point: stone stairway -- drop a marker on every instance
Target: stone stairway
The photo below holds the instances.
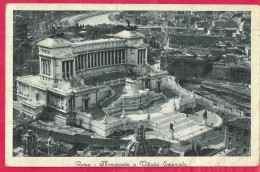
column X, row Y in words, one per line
column 184, row 128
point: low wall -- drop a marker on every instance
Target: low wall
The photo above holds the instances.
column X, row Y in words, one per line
column 83, row 119
column 188, row 100
column 205, row 100
column 106, row 129
column 133, row 103
column 113, row 82
column 88, row 139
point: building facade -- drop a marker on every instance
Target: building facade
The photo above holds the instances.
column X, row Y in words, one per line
column 238, row 136
column 61, row 89
column 232, row 72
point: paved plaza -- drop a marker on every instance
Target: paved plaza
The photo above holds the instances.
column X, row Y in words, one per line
column 185, row 127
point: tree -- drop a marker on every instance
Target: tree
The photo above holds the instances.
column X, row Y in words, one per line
column 198, row 149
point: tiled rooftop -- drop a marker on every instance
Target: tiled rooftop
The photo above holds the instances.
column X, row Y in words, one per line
column 244, row 123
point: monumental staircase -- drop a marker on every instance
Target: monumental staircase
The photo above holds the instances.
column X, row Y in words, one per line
column 184, row 128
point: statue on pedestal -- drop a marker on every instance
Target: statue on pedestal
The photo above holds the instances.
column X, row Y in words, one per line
column 29, row 143
column 123, row 114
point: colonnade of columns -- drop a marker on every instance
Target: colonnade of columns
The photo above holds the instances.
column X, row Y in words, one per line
column 67, row 69
column 141, row 57
column 46, row 67
column 98, row 59
column 57, row 101
column 22, row 89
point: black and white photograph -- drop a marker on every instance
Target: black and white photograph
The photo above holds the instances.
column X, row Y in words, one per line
column 131, row 83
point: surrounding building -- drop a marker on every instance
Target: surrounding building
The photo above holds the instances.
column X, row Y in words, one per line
column 188, row 39
column 232, row 72
column 238, row 137
column 186, row 65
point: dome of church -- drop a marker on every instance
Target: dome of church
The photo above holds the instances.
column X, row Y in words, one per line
column 139, row 146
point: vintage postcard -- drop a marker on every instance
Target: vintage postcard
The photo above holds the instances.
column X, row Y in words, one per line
column 132, row 85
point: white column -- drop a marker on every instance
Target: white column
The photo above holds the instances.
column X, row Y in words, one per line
column 60, row 102
column 110, row 57
column 125, row 56
column 75, row 64
column 86, row 60
column 146, row 56
column 49, row 67
column 102, row 58
column 91, row 60
column 122, row 55
column 81, row 62
column 78, row 62
column 141, row 57
column 70, row 64
column 94, row 59
column 138, row 56
column 107, row 56
column 99, row 58
column 46, row 67
column 118, row 52
column 69, row 69
column 43, row 64
column 65, row 69
column 114, row 56
column 82, row 57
